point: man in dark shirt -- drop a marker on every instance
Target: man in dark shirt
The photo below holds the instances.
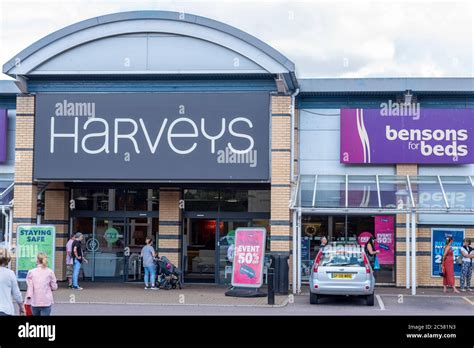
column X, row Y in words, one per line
column 78, row 258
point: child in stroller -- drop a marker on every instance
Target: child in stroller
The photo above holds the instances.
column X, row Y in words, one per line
column 169, row 276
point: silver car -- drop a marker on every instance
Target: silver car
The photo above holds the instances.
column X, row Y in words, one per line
column 344, row 271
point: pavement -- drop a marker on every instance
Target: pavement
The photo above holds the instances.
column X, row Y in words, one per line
column 194, row 299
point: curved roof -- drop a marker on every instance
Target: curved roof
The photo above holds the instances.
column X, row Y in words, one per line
column 51, row 39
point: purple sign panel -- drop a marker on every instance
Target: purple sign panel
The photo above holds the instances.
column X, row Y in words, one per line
column 3, row 135
column 434, row 136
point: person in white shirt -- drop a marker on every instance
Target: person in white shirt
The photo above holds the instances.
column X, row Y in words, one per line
column 466, row 268
column 230, row 253
column 9, row 290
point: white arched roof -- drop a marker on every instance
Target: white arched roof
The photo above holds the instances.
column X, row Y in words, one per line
column 149, row 42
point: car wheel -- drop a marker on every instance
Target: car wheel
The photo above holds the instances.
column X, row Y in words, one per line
column 370, row 300
column 313, row 298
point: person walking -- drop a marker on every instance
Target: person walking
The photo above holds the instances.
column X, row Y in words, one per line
column 324, row 243
column 447, row 265
column 9, row 290
column 77, row 259
column 41, row 283
column 148, row 254
column 371, row 252
column 466, row 268
column 69, row 261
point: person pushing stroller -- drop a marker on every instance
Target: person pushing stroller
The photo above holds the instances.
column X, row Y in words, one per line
column 169, row 276
column 148, row 255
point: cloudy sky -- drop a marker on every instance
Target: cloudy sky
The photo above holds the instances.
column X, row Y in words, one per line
column 323, row 38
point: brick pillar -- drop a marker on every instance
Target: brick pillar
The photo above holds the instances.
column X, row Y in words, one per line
column 25, row 191
column 56, row 212
column 280, row 234
column 169, row 235
column 403, row 169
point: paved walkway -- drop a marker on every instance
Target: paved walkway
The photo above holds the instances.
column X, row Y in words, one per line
column 134, row 293
column 205, row 295
column 209, row 299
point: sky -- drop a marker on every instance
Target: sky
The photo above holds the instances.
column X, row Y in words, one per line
column 334, row 38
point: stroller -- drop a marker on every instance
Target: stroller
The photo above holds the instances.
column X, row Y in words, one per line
column 169, row 276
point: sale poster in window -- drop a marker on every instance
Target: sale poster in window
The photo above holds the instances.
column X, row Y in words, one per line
column 249, row 257
column 385, row 237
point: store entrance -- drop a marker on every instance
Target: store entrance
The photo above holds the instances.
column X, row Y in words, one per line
column 112, row 246
column 350, row 229
column 206, row 243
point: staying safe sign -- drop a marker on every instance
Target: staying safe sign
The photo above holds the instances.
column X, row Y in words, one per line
column 31, row 240
column 249, row 257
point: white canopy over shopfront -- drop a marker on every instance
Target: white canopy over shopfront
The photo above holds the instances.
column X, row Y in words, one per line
column 379, row 194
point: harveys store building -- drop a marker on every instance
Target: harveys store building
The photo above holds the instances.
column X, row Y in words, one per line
column 177, row 127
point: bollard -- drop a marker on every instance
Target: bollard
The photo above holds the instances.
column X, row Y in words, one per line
column 271, row 287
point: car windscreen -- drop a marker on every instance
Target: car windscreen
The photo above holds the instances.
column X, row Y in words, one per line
column 342, row 259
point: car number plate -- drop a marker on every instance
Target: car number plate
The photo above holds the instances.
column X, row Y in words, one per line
column 342, row 276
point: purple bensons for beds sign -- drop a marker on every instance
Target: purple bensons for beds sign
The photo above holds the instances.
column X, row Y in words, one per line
column 435, row 136
column 3, row 135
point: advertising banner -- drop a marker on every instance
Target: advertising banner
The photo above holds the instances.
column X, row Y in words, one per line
column 431, row 136
column 385, row 237
column 305, row 256
column 3, row 135
column 152, row 136
column 249, row 257
column 31, row 240
column 438, row 241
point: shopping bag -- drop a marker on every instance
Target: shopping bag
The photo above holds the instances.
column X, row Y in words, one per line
column 376, row 263
column 28, row 311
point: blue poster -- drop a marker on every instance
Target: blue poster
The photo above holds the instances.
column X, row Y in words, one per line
column 305, row 256
column 438, row 240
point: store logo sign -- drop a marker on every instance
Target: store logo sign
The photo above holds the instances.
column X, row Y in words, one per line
column 163, row 136
column 113, row 135
column 437, row 136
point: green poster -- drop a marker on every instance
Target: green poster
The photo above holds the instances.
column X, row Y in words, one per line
column 31, row 240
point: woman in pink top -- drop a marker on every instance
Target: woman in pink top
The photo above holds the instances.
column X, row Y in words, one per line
column 41, row 284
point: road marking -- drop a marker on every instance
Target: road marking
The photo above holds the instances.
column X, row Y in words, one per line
column 379, row 300
column 429, row 296
column 468, row 300
column 283, row 304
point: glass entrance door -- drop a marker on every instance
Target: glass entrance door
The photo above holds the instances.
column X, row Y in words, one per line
column 226, row 239
column 104, row 250
column 199, row 244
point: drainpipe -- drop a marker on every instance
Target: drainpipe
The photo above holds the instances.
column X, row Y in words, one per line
column 292, row 134
column 296, row 262
column 295, row 256
column 407, row 247
column 413, row 253
column 10, row 237
column 7, row 225
column 298, row 234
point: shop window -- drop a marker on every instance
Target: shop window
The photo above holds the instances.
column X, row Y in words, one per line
column 201, row 200
column 254, row 201
column 234, row 200
column 154, row 200
column 313, row 228
column 91, row 199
